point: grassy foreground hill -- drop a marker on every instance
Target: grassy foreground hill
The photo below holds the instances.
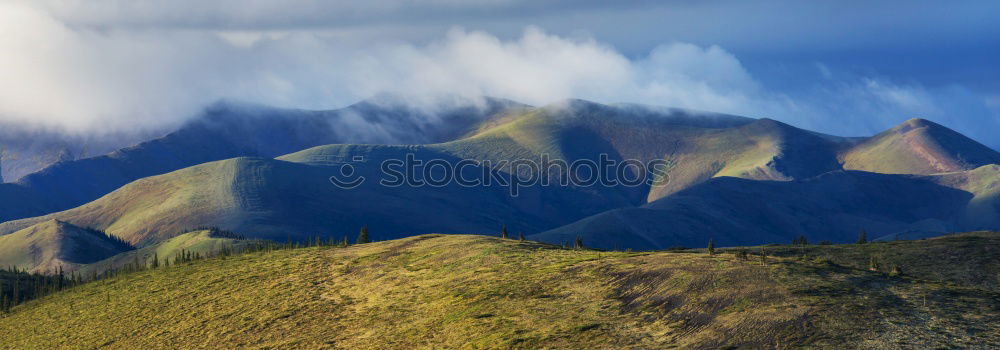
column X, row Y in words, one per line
column 454, row 291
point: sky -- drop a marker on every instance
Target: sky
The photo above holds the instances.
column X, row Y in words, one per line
column 848, row 68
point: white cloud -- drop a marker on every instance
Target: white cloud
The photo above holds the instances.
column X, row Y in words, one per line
column 90, row 78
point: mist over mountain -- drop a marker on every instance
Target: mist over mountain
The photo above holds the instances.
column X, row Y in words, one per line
column 25, row 149
column 734, row 179
column 514, row 174
column 231, row 129
column 144, row 69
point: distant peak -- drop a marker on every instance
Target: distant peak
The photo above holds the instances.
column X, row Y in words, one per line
column 55, row 222
column 400, row 101
column 577, row 102
column 915, row 123
column 919, row 146
column 918, row 121
column 574, row 104
column 227, row 104
column 770, row 124
column 770, row 121
column 58, row 225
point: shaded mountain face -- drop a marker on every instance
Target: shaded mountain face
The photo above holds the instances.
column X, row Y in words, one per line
column 26, row 149
column 292, row 195
column 52, row 244
column 279, row 200
column 737, row 180
column 697, row 145
column 835, row 206
column 231, row 130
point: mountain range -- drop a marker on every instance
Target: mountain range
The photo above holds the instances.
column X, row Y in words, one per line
column 264, row 173
column 229, row 129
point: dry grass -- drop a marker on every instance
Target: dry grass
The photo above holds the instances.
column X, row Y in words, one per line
column 438, row 291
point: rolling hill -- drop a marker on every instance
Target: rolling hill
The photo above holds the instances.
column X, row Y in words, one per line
column 452, row 291
column 739, row 180
column 699, row 145
column 275, row 199
column 51, row 245
column 291, row 195
column 834, row 206
column 918, row 146
column 227, row 130
column 203, row 242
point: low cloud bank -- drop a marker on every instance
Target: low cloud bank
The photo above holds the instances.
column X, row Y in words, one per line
column 93, row 79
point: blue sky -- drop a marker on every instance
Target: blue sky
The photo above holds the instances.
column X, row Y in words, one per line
column 841, row 67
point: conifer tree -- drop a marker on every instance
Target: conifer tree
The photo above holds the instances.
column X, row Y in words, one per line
column 873, row 263
column 711, row 247
column 743, row 255
column 578, row 244
column 520, row 236
column 62, row 278
column 156, row 260
column 363, row 236
column 503, row 232
column 862, row 237
column 16, row 293
column 344, row 243
column 800, row 240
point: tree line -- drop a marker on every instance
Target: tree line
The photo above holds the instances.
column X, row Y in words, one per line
column 18, row 286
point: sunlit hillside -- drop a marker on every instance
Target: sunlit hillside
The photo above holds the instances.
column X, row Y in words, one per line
column 437, row 291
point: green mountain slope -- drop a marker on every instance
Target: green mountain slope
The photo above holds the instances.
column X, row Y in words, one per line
column 204, row 242
column 53, row 244
column 227, row 130
column 275, row 199
column 918, row 146
column 451, row 291
column 740, row 180
column 700, row 145
column 292, row 195
column 983, row 211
